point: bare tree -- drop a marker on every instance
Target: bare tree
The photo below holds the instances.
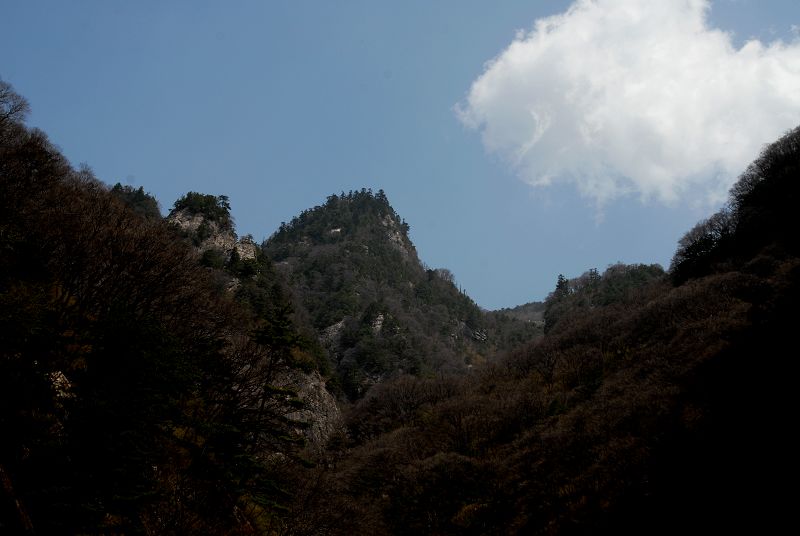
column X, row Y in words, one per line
column 13, row 107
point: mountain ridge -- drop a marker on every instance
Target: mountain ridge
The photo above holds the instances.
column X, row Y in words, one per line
column 378, row 309
column 147, row 371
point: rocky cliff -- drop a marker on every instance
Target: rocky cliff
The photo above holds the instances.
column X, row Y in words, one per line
column 206, row 222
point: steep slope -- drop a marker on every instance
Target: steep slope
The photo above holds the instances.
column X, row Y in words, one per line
column 758, row 224
column 136, row 397
column 206, row 221
column 377, row 309
column 592, row 290
column 655, row 404
column 240, row 267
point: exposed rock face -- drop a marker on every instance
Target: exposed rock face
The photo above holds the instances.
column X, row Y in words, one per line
column 321, row 410
column 396, row 237
column 331, row 333
column 212, row 235
column 246, row 248
column 198, row 225
column 377, row 324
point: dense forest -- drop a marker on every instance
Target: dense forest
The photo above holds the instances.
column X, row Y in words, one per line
column 380, row 312
column 162, row 375
column 136, row 396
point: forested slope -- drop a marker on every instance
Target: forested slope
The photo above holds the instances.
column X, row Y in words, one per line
column 378, row 310
column 135, row 395
column 146, row 370
column 656, row 403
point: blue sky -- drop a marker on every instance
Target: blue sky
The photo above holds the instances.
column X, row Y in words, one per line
column 278, row 104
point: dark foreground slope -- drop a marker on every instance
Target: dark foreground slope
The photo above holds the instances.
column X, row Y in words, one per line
column 135, row 395
column 658, row 407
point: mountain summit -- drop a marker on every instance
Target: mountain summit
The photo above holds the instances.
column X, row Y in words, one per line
column 378, row 310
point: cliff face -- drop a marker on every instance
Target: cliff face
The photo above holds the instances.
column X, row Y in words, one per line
column 320, row 413
column 239, row 259
column 209, row 234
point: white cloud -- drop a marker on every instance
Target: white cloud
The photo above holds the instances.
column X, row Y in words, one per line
column 634, row 97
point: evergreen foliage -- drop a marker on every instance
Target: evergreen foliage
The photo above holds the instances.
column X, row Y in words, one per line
column 351, row 264
column 142, row 203
column 649, row 407
column 215, row 208
column 592, row 290
column 133, row 398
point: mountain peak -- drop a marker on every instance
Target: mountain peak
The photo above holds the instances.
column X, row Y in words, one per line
column 377, row 309
column 362, row 218
column 206, row 220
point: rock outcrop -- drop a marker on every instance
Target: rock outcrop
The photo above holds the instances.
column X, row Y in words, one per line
column 209, row 234
column 212, row 233
column 321, row 412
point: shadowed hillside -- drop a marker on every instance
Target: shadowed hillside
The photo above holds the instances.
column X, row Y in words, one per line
column 656, row 403
column 165, row 376
column 135, row 395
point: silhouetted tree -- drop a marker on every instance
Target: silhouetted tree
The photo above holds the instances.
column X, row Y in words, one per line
column 13, row 107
